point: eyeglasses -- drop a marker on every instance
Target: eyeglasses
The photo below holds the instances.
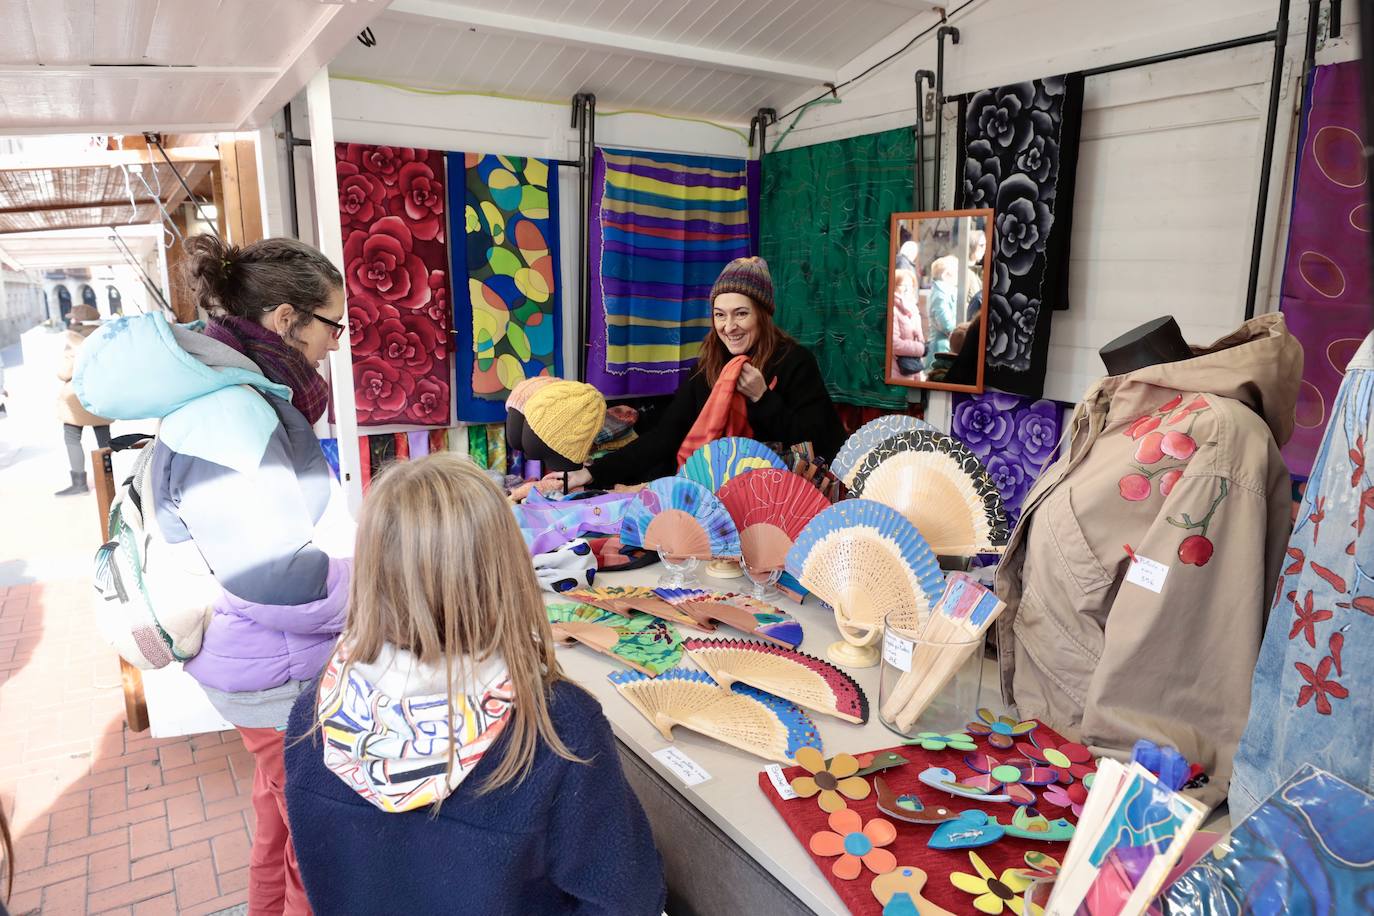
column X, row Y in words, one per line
column 338, row 328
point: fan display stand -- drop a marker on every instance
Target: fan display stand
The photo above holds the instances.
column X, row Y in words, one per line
column 724, row 569
column 848, row 655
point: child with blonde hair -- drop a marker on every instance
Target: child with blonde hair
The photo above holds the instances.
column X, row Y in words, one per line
column 942, row 305
column 444, row 764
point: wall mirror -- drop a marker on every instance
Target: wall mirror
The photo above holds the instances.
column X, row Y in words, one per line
column 941, row 262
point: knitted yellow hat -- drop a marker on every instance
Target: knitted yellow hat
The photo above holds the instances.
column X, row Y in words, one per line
column 566, row 416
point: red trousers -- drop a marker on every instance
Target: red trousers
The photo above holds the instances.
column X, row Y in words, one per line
column 274, row 878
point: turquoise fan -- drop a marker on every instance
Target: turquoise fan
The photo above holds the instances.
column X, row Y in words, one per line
column 680, row 518
column 717, row 462
column 868, row 437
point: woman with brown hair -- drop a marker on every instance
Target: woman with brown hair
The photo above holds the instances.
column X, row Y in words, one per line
column 443, row 764
column 785, row 397
column 83, row 320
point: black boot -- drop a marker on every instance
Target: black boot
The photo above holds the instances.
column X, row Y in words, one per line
column 78, row 485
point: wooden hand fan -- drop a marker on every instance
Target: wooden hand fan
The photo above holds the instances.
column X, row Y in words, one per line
column 680, row 518
column 786, row 673
column 626, row 601
column 740, row 716
column 770, row 508
column 865, row 560
column 940, row 486
column 745, row 614
column 724, row 459
column 866, row 438
column 645, row 643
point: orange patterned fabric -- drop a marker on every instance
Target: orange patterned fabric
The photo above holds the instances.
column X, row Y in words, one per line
column 724, row 414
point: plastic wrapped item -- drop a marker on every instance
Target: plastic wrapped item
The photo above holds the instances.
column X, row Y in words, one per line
column 1309, row 848
column 1166, row 762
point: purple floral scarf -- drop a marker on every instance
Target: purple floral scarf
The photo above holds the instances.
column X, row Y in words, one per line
column 1014, row 437
column 278, row 360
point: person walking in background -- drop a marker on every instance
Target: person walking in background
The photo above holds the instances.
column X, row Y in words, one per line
column 941, row 306
column 82, row 323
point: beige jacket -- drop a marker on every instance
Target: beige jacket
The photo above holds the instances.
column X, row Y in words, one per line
column 69, row 409
column 1179, row 465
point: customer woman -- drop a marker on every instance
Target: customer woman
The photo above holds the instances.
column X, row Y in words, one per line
column 444, row 764
column 785, row 397
column 82, row 321
column 239, row 474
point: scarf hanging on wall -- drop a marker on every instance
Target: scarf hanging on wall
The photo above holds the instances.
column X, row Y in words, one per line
column 1327, row 298
column 509, row 318
column 1015, row 438
column 391, row 204
column 825, row 214
column 662, row 226
column 1020, row 153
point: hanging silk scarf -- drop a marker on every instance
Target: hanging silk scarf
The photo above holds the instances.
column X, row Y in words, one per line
column 1020, row 153
column 391, row 204
column 1327, row 298
column 509, row 318
column 1015, row 438
column 825, row 223
column 662, row 226
column 496, row 447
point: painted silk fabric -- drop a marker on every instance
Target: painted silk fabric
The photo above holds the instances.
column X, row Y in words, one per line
column 509, row 318
column 391, row 205
column 1327, row 297
column 1015, row 438
column 1020, row 146
column 825, row 214
column 662, row 226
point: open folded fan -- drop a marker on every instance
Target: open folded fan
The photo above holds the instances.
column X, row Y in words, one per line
column 724, row 459
column 787, row 673
column 866, row 438
column 647, row 644
column 740, row 716
column 940, row 486
column 626, row 600
column 770, row 508
column 680, row 518
column 866, row 560
column 749, row 615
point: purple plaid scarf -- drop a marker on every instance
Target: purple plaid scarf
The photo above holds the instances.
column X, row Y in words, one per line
column 278, row 360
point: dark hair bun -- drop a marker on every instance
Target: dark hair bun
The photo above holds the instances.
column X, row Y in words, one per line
column 209, row 272
column 252, row 280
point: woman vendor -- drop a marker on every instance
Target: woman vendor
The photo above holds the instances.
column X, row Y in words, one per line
column 784, row 396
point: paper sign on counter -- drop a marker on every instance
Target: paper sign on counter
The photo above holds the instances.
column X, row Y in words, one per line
column 682, row 766
column 1147, row 573
column 779, row 782
column 897, row 651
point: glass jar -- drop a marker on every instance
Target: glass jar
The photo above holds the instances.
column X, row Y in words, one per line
column 928, row 685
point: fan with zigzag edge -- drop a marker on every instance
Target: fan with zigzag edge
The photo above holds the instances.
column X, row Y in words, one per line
column 868, row 437
column 787, row 673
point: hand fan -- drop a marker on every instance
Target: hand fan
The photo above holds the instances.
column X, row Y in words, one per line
column 717, row 462
column 680, row 518
column 745, row 614
column 865, row 560
column 786, row 673
column 645, row 643
column 741, row 716
column 940, row 486
column 866, row 438
column 625, row 601
column 770, row 508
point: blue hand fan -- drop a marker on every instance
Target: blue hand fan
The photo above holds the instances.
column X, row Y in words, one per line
column 866, row 438
column 680, row 518
column 866, row 560
column 716, row 462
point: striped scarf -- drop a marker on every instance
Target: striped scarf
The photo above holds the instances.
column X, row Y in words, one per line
column 278, row 360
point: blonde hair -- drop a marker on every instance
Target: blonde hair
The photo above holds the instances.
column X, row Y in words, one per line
column 948, row 266
column 441, row 570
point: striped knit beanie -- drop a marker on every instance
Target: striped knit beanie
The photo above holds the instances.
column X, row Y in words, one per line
column 749, row 277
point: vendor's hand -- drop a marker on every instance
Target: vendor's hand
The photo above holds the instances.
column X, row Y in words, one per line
column 554, row 480
column 751, row 383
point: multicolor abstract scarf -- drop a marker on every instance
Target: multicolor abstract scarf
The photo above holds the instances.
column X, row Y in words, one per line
column 826, row 220
column 662, row 228
column 509, row 319
column 723, row 414
column 391, row 204
column 278, row 360
column 1020, row 153
column 1327, row 298
column 1015, row 438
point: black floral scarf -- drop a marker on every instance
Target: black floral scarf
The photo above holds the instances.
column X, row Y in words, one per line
column 1020, row 146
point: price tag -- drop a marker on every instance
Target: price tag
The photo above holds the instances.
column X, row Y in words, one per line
column 897, row 651
column 682, row 766
column 1147, row 573
column 779, row 782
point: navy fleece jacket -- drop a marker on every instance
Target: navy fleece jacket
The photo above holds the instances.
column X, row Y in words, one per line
column 571, row 838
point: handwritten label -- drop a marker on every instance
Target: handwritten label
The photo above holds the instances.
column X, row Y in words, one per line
column 779, row 782
column 1147, row 573
column 683, row 767
column 897, row 651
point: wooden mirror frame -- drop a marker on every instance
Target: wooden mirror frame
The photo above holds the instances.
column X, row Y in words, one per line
column 989, row 229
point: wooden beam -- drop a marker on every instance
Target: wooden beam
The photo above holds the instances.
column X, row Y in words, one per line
column 78, row 205
column 227, row 196
column 250, row 194
column 111, row 159
column 135, row 71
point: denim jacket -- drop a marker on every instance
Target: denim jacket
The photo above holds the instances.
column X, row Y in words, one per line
column 1307, row 705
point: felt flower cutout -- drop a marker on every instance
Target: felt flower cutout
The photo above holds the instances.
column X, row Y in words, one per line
column 855, row 842
column 1008, row 777
column 1001, row 731
column 832, row 781
column 1039, row 865
column 991, row 893
column 934, row 741
column 1068, row 760
column 1072, row 797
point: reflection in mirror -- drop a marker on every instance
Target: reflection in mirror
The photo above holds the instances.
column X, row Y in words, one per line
column 940, row 263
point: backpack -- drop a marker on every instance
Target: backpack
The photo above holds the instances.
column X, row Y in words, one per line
column 152, row 598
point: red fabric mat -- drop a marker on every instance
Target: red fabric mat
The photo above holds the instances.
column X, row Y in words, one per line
column 804, row 818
